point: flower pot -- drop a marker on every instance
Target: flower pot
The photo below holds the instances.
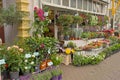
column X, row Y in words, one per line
column 45, row 13
column 54, row 78
column 60, row 77
column 26, row 73
column 1, row 77
column 14, row 75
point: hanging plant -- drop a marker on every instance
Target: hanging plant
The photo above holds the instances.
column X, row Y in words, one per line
column 93, row 20
column 77, row 19
column 65, row 19
column 86, row 18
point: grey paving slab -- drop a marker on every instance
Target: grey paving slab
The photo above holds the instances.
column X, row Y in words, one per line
column 109, row 69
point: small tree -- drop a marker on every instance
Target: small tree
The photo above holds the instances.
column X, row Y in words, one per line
column 10, row 15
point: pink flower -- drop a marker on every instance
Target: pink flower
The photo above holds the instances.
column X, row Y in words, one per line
column 35, row 8
column 40, row 13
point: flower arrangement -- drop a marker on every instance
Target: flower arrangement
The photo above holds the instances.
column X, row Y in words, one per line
column 28, row 62
column 14, row 57
column 41, row 22
column 69, row 51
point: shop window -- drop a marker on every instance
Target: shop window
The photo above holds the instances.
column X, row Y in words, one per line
column 73, row 3
column 90, row 5
column 85, row 4
column 47, row 1
column 79, row 4
column 65, row 3
column 56, row 2
column 94, row 7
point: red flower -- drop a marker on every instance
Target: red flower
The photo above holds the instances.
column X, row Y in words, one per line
column 6, row 65
column 42, row 46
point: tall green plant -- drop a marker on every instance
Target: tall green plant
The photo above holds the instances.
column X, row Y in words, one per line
column 10, row 15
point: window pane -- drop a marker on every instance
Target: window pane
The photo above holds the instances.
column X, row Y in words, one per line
column 56, row 2
column 66, row 2
column 73, row 3
column 90, row 5
column 47, row 1
column 79, row 4
column 85, row 4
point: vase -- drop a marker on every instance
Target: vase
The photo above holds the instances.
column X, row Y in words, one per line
column 14, row 75
column 54, row 78
column 60, row 77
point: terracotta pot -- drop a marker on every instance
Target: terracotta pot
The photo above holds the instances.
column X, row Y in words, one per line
column 43, row 65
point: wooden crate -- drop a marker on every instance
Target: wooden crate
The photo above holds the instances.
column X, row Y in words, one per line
column 66, row 59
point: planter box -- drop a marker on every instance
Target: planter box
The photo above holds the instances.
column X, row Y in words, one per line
column 66, row 59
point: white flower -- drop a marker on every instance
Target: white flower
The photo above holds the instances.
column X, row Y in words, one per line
column 2, row 61
column 8, row 48
column 21, row 50
column 26, row 67
column 15, row 46
column 36, row 53
column 33, row 56
column 32, row 62
column 27, row 55
column 26, row 60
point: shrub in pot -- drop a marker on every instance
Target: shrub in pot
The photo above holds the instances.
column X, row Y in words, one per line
column 14, row 60
column 55, row 74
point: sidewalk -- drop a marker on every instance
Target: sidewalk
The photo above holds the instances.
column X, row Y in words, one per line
column 109, row 69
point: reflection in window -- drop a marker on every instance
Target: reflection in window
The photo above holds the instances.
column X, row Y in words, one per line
column 66, row 2
column 47, row 1
column 56, row 2
column 90, row 5
column 94, row 7
column 79, row 4
column 73, row 3
column 85, row 4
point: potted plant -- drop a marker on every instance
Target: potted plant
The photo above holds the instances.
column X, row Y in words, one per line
column 14, row 60
column 60, row 74
column 71, row 45
column 56, row 59
column 65, row 19
column 55, row 74
column 46, row 9
column 77, row 19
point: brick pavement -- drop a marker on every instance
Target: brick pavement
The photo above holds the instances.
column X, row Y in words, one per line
column 109, row 69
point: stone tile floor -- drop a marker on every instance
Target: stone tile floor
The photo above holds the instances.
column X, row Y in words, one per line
column 109, row 69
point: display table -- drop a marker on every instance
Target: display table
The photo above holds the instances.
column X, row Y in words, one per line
column 82, row 42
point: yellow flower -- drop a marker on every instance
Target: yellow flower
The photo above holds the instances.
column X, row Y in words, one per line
column 72, row 50
column 68, row 50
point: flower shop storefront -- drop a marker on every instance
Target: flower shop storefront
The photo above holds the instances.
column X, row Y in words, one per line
column 70, row 20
